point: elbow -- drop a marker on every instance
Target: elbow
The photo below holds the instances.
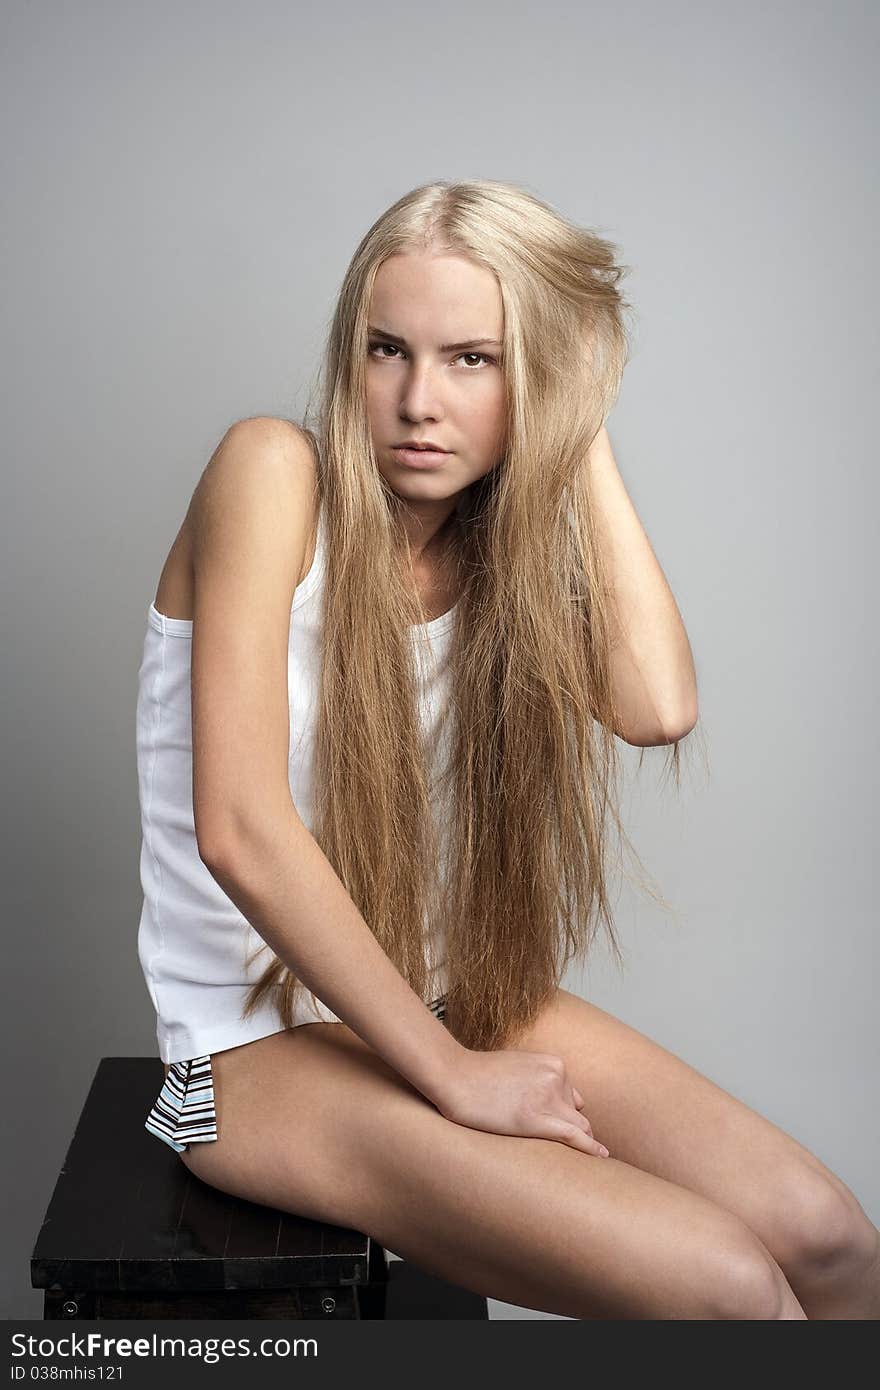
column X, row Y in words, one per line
column 658, row 735
column 215, row 837
column 680, row 728
column 230, row 865
column 230, row 850
column 213, row 855
column 207, row 853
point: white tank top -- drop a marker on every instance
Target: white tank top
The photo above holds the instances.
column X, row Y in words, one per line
column 192, row 940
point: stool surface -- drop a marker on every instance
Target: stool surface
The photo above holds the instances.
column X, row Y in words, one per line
column 126, row 1214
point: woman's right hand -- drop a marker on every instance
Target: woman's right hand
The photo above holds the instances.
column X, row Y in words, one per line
column 521, row 1093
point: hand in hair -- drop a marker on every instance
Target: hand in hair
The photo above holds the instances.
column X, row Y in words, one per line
column 519, row 1093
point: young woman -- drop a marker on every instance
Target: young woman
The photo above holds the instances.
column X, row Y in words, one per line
column 383, row 676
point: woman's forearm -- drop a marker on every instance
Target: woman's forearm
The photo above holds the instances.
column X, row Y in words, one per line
column 654, row 673
column 283, row 884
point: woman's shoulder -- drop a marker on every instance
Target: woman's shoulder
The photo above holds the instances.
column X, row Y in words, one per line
column 269, row 437
column 258, row 442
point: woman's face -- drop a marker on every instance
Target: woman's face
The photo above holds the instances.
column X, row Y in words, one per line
column 420, row 386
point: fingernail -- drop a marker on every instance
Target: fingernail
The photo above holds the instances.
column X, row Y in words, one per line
column 605, row 1153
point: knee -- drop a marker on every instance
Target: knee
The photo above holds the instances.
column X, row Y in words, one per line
column 748, row 1284
column 822, row 1228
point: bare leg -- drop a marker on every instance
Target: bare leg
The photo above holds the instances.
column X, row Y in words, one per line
column 313, row 1121
column 654, row 1111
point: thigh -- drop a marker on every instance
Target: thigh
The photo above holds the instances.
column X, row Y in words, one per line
column 654, row 1111
column 313, row 1121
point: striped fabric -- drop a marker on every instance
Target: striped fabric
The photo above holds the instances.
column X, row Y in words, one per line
column 183, row 1112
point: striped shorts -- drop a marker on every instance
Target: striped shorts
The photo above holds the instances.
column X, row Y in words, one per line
column 183, row 1112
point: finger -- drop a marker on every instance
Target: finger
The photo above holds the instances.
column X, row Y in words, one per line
column 577, row 1139
column 578, row 1102
column 584, row 1123
column 592, row 1146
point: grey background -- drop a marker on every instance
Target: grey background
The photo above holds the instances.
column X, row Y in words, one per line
column 184, row 187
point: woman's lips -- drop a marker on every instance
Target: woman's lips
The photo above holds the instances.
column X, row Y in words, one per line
column 421, row 458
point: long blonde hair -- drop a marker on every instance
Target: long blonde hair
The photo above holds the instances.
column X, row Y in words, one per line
column 533, row 766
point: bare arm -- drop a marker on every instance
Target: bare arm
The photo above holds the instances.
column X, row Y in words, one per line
column 652, row 664
column 252, row 514
column 283, row 883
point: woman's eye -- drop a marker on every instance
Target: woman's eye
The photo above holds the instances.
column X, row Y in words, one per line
column 394, row 348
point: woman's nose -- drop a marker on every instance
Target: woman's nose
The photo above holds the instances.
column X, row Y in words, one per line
column 421, row 393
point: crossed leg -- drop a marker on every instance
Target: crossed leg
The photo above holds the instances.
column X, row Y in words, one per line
column 654, row 1111
column 313, row 1121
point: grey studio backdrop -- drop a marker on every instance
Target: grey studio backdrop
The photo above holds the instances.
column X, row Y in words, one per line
column 184, row 187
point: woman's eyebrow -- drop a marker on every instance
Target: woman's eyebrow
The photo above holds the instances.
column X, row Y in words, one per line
column 445, row 347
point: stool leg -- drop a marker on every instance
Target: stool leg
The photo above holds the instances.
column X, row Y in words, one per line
column 372, row 1296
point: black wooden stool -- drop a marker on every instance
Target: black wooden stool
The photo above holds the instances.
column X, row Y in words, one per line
column 131, row 1233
